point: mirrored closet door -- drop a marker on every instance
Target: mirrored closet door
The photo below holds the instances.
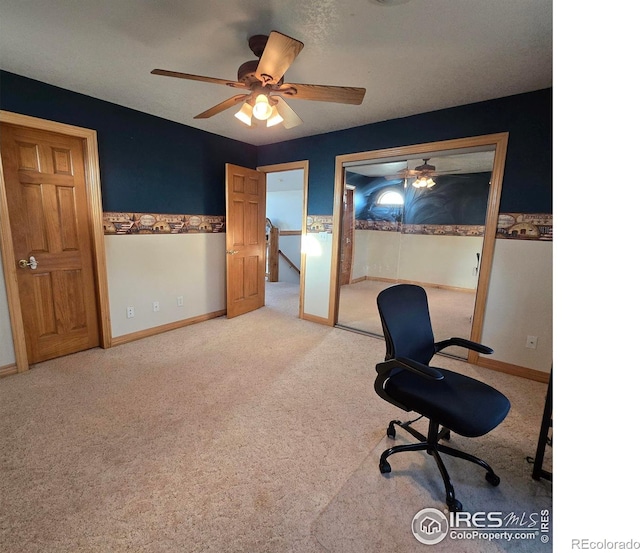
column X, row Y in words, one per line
column 416, row 219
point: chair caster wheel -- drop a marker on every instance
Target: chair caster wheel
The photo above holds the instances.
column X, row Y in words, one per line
column 385, row 467
column 492, row 478
column 391, row 431
column 444, row 434
column 454, row 506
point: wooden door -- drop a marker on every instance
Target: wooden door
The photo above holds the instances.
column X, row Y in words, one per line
column 45, row 186
column 246, row 239
column 346, row 247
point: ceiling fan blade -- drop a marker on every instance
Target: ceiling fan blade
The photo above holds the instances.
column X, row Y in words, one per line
column 278, row 55
column 190, row 77
column 450, row 172
column 406, row 174
column 323, row 93
column 289, row 117
column 229, row 103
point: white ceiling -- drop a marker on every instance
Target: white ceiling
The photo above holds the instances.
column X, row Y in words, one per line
column 475, row 160
column 412, row 56
column 285, row 181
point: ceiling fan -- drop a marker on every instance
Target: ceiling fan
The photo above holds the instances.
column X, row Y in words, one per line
column 263, row 79
column 424, row 174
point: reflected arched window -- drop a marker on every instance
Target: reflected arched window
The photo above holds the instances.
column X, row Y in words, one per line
column 390, row 197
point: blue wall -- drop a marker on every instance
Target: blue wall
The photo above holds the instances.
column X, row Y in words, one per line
column 455, row 200
column 147, row 164
column 526, row 188
column 153, row 165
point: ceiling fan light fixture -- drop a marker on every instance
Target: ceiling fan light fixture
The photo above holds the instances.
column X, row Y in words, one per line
column 245, row 113
column 262, row 109
column 275, row 118
column 423, row 182
column 264, row 77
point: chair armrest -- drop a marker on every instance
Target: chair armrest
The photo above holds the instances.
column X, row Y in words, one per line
column 386, row 367
column 463, row 342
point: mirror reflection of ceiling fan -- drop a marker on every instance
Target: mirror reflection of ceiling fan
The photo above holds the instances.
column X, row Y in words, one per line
column 423, row 175
column 263, row 80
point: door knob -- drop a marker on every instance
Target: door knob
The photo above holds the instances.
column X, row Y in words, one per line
column 232, row 252
column 33, row 263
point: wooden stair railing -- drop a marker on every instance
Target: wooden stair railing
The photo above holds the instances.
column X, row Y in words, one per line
column 291, row 263
column 274, row 252
column 273, row 248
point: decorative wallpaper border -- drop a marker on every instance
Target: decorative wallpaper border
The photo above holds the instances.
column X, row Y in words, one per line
column 525, row 226
column 157, row 223
column 320, row 223
column 433, row 230
column 512, row 226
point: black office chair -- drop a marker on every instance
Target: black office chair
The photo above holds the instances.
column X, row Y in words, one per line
column 452, row 402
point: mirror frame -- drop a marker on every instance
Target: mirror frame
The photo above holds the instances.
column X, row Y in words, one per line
column 499, row 142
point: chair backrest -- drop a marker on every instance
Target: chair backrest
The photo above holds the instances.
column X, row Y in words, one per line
column 406, row 323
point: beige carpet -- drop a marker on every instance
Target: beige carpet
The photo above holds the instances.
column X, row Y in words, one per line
column 373, row 512
column 259, row 433
column 451, row 311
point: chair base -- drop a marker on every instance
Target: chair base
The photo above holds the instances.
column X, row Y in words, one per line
column 432, row 447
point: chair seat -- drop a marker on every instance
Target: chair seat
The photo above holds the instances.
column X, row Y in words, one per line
column 463, row 405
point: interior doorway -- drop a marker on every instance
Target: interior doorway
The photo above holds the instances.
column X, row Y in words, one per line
column 286, row 229
column 438, row 233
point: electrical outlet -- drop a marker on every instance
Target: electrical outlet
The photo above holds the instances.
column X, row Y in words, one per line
column 131, row 312
column 156, row 306
column 180, row 301
column 532, row 342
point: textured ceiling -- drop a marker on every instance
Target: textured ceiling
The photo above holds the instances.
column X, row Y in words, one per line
column 412, row 56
